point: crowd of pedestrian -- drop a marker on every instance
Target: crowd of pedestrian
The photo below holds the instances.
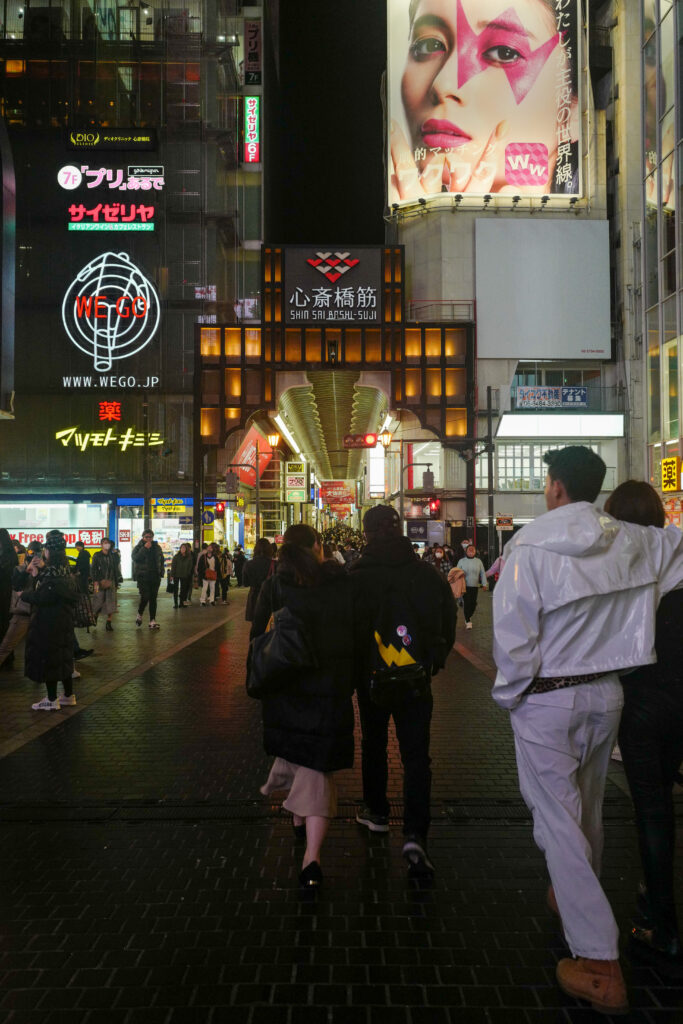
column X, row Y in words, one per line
column 587, row 612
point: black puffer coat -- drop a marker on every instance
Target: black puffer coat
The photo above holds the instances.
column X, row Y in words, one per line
column 254, row 575
column 392, row 560
column 311, row 722
column 49, row 654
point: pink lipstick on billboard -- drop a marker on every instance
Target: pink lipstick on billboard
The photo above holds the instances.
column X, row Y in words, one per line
column 441, row 134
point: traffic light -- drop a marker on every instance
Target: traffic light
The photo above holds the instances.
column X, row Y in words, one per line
column 220, row 509
column 434, row 508
column 360, row 440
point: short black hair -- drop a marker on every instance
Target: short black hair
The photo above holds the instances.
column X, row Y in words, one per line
column 579, row 469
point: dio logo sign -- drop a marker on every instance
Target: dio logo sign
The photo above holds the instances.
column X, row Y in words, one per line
column 110, row 310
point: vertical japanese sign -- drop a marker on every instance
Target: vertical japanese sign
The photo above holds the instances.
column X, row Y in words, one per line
column 252, row 55
column 333, row 285
column 671, row 473
column 483, row 98
column 252, row 129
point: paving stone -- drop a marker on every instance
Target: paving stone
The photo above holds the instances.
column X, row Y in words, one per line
column 178, row 898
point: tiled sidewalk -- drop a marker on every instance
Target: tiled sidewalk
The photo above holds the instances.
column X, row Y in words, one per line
column 143, row 878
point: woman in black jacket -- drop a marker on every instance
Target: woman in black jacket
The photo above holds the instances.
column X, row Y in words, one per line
column 8, row 561
column 255, row 573
column 651, row 745
column 49, row 655
column 308, row 725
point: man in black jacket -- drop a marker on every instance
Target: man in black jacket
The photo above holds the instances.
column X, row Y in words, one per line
column 389, row 563
column 148, row 568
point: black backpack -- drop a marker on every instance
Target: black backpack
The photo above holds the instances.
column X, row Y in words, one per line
column 400, row 654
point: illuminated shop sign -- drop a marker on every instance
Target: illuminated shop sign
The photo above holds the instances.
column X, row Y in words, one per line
column 252, row 130
column 110, row 310
column 671, row 473
column 134, row 179
column 332, row 286
column 205, row 292
column 252, row 56
column 109, row 411
column 76, row 437
column 111, row 217
column 482, row 99
column 108, row 138
column 90, row 538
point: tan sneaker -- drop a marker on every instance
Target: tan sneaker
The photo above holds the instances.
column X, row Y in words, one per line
column 599, row 981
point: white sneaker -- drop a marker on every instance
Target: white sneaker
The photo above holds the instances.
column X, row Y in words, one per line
column 65, row 701
column 468, row 625
column 46, row 705
column 153, row 625
column 75, row 674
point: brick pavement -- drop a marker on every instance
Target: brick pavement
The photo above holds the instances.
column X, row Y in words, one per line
column 143, row 878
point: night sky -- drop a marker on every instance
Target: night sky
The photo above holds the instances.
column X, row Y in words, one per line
column 327, row 180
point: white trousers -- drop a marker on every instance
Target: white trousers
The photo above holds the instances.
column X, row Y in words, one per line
column 563, row 741
column 208, row 589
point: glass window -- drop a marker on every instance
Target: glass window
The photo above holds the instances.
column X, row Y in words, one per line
column 650, row 249
column 554, row 378
column 671, row 389
column 653, row 382
column 650, row 90
column 666, row 69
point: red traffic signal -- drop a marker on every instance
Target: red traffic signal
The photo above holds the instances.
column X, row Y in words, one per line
column 360, row 440
column 434, row 508
column 220, row 509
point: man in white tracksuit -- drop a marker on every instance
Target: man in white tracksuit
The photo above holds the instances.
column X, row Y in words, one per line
column 576, row 604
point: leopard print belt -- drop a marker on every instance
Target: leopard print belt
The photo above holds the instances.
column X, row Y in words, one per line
column 544, row 684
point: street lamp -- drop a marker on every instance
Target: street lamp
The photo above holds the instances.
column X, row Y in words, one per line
column 273, row 440
column 385, row 438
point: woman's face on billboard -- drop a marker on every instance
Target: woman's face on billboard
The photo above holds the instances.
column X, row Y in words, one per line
column 480, row 75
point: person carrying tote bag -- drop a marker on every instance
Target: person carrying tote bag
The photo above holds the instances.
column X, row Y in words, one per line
column 308, row 714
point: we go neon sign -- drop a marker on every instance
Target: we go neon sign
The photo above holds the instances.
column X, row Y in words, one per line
column 110, row 310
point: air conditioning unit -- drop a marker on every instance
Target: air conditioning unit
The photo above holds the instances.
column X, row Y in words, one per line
column 46, row 24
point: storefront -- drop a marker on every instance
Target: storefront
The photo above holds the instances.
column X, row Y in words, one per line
column 79, row 520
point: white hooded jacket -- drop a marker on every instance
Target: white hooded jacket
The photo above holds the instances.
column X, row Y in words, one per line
column 578, row 594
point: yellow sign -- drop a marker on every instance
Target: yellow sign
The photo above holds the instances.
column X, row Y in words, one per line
column 671, row 473
column 103, row 439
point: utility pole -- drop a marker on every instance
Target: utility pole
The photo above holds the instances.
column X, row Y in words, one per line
column 258, row 496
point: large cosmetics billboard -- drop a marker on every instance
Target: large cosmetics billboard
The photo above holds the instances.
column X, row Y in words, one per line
column 483, row 98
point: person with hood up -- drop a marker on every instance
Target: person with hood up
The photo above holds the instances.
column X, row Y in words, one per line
column 308, row 725
column 49, row 655
column 389, row 564
column 575, row 605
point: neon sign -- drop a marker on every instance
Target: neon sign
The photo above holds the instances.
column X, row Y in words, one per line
column 102, row 439
column 252, row 130
column 110, row 310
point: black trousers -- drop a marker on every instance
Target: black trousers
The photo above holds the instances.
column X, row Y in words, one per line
column 183, row 586
column 651, row 744
column 225, row 587
column 470, row 602
column 148, row 587
column 412, row 721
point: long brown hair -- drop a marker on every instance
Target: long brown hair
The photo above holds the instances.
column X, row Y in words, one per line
column 296, row 554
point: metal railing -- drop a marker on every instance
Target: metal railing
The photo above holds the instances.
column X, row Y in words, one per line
column 441, row 310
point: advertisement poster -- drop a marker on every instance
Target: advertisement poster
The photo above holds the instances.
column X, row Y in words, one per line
column 338, row 492
column 246, row 456
column 482, row 98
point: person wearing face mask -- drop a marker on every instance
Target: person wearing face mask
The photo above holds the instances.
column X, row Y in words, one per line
column 473, row 568
column 106, row 574
column 439, row 561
